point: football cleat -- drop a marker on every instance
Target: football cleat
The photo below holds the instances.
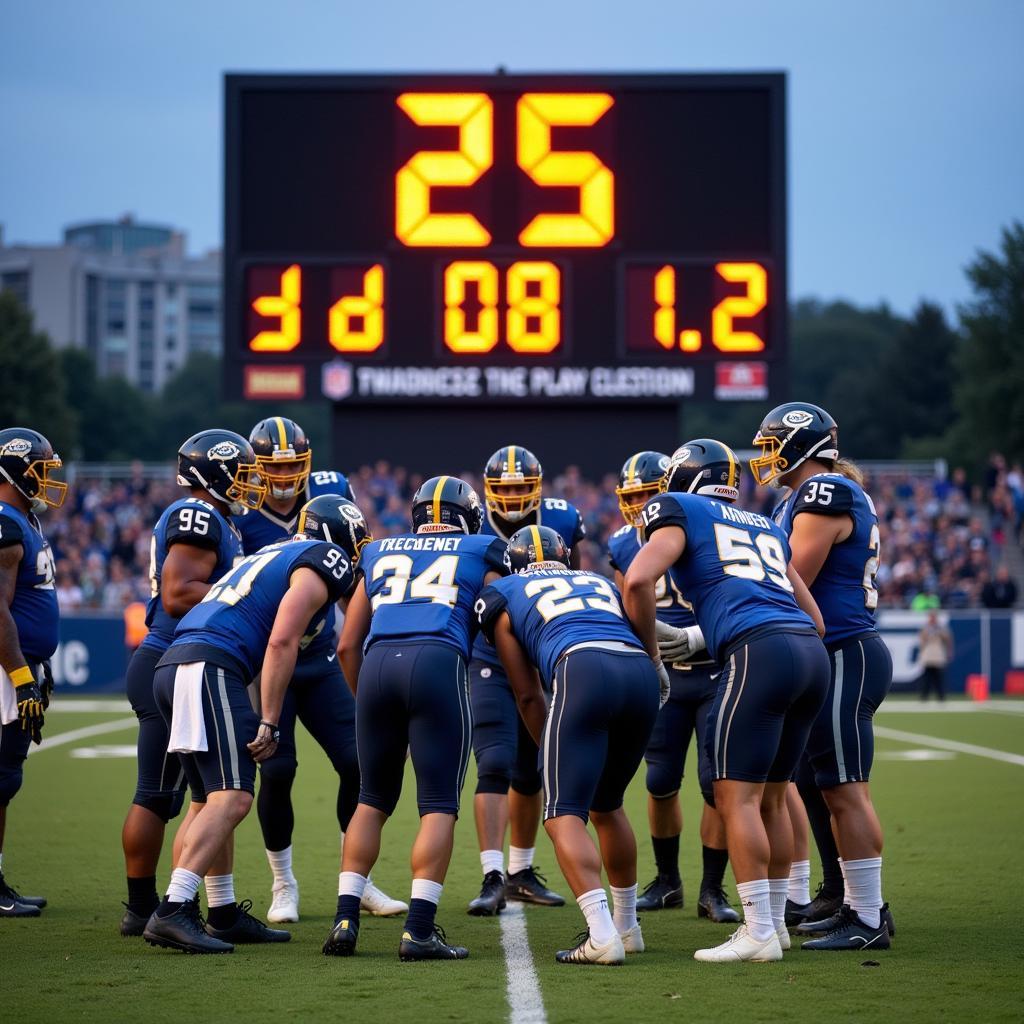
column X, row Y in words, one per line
column 132, row 924
column 380, row 904
column 850, row 932
column 820, row 908
column 12, row 908
column 530, row 886
column 342, row 940
column 661, row 894
column 828, row 923
column 284, row 905
column 633, row 940
column 491, row 898
column 9, row 893
column 610, row 954
column 433, row 948
column 741, row 946
column 796, row 913
column 713, row 905
column 185, row 929
column 248, row 930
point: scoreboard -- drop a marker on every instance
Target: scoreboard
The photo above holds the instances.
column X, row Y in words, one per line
column 561, row 241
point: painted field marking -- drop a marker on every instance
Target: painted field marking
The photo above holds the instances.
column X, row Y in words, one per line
column 106, row 750
column 910, row 755
column 954, row 745
column 73, row 735
column 523, row 990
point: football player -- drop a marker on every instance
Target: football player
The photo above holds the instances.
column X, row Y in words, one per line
column 759, row 621
column 685, row 713
column 194, row 543
column 833, row 532
column 508, row 780
column 569, row 626
column 252, row 621
column 29, row 618
column 318, row 695
column 406, row 640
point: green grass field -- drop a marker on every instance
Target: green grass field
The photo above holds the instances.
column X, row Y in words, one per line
column 954, row 830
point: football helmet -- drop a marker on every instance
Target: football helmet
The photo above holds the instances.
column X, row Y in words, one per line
column 536, row 547
column 445, row 503
column 512, row 482
column 283, row 455
column 335, row 519
column 789, row 435
column 26, row 459
column 704, row 466
column 639, row 480
column 223, row 463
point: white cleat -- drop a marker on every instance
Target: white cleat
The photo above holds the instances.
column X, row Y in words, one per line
column 783, row 934
column 285, row 903
column 380, row 904
column 633, row 940
column 741, row 946
column 611, row 954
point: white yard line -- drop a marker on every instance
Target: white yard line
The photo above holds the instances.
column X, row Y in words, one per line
column 999, row 705
column 523, row 990
column 83, row 734
column 112, row 704
column 941, row 744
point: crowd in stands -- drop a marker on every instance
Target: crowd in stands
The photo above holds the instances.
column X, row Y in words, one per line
column 942, row 540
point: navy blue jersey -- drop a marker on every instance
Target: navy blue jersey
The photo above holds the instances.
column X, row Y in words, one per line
column 845, row 586
column 733, row 569
column 265, row 526
column 424, row 585
column 552, row 610
column 197, row 523
column 238, row 613
column 563, row 517
column 673, row 608
column 34, row 607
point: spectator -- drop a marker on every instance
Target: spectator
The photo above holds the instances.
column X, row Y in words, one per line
column 936, row 646
column 1000, row 592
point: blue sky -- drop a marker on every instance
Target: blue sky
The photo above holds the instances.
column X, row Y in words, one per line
column 906, row 117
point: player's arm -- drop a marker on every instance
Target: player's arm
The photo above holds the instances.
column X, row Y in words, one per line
column 804, row 599
column 662, row 549
column 307, row 592
column 813, row 537
column 579, row 534
column 353, row 635
column 184, row 578
column 26, row 689
column 522, row 676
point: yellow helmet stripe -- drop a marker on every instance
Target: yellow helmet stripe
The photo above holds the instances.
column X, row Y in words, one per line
column 511, row 458
column 631, row 474
column 282, row 436
column 437, row 498
column 538, row 543
column 732, row 466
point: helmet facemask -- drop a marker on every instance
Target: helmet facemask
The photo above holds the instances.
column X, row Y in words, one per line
column 632, row 498
column 769, row 465
column 285, row 472
column 511, row 505
column 49, row 493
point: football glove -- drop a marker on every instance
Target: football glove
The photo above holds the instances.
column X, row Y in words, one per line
column 678, row 643
column 664, row 684
column 265, row 744
column 30, row 702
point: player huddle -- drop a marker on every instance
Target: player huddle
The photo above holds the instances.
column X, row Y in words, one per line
column 478, row 632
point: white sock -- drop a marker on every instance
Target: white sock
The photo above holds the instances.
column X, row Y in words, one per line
column 220, row 890
column 183, row 886
column 800, row 883
column 757, row 908
column 427, row 889
column 520, row 858
column 864, row 885
column 492, row 860
column 846, row 884
column 624, row 908
column 594, row 905
column 351, row 883
column 778, row 891
column 281, row 865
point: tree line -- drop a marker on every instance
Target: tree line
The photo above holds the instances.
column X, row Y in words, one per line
column 900, row 387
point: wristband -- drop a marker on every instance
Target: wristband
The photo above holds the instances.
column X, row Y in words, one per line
column 21, row 676
column 275, row 732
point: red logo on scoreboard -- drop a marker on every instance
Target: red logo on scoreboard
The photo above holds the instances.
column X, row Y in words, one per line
column 336, row 380
column 741, row 380
column 274, row 381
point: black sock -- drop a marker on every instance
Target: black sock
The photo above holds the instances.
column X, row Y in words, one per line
column 167, row 907
column 714, row 867
column 666, row 856
column 348, row 906
column 142, row 895
column 223, row 916
column 821, row 825
column 420, row 922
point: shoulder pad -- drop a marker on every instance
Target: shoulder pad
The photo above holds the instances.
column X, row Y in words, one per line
column 827, row 494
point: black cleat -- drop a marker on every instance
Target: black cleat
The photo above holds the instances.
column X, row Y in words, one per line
column 185, row 930
column 248, row 930
column 828, row 923
column 434, row 948
column 796, row 913
column 820, row 908
column 132, row 924
column 342, row 940
column 661, row 894
column 530, row 886
column 491, row 898
column 8, row 893
column 12, row 908
column 851, row 933
column 713, row 905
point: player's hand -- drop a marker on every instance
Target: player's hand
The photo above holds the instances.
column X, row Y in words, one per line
column 47, row 687
column 30, row 708
column 265, row 744
column 678, row 643
column 664, row 684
